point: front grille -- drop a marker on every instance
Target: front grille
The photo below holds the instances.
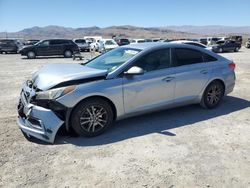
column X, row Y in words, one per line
column 20, row 109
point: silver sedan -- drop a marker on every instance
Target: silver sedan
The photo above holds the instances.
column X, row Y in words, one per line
column 126, row 81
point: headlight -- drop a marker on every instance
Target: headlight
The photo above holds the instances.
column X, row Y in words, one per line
column 54, row 93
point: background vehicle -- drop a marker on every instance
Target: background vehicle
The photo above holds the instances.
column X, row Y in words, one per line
column 10, row 45
column 51, row 47
column 123, row 82
column 248, row 43
column 122, row 41
column 192, row 43
column 226, row 46
column 134, row 41
column 107, row 44
column 82, row 44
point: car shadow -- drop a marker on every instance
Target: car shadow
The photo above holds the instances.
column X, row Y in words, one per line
column 157, row 122
column 46, row 57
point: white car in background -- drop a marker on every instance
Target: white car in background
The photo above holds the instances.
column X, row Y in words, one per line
column 95, row 45
column 134, row 41
column 107, row 44
column 192, row 43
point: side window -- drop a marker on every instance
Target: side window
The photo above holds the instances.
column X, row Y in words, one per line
column 55, row 42
column 45, row 43
column 208, row 58
column 156, row 60
column 186, row 56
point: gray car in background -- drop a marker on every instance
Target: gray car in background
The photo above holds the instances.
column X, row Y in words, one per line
column 124, row 82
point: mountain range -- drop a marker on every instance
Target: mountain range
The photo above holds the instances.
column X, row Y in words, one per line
column 170, row 32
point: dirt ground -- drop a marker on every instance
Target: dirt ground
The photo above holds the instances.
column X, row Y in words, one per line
column 183, row 147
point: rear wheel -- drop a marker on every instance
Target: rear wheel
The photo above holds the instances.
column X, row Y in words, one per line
column 92, row 117
column 212, row 95
column 68, row 54
column 31, row 55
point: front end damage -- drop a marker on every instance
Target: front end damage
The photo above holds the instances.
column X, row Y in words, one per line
column 40, row 119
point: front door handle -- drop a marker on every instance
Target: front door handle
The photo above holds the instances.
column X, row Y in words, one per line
column 204, row 72
column 168, row 79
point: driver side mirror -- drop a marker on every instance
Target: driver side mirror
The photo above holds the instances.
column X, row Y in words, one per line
column 134, row 71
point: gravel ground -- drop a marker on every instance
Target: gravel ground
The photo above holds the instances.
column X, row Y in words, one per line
column 183, row 147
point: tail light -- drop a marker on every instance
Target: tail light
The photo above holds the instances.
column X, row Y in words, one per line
column 232, row 65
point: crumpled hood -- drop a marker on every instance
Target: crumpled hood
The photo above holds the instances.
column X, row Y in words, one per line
column 53, row 74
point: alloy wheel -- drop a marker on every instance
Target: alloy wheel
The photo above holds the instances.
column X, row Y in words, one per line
column 93, row 118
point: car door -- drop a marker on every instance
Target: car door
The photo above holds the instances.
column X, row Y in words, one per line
column 43, row 48
column 56, row 47
column 154, row 88
column 191, row 73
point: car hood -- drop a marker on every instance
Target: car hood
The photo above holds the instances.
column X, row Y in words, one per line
column 51, row 75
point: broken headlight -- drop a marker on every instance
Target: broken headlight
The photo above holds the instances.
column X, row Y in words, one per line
column 54, row 93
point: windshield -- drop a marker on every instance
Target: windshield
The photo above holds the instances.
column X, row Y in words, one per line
column 110, row 42
column 113, row 59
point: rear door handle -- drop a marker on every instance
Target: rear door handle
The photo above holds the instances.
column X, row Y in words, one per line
column 168, row 79
column 204, row 72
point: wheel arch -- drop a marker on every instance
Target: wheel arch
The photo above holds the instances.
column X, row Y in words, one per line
column 211, row 81
column 110, row 102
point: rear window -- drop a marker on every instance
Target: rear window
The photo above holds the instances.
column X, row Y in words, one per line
column 124, row 40
column 195, row 44
column 208, row 58
column 187, row 56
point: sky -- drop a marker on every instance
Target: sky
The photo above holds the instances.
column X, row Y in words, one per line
column 16, row 15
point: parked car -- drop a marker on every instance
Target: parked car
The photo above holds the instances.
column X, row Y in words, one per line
column 192, row 43
column 95, row 45
column 51, row 47
column 209, row 41
column 123, row 82
column 31, row 42
column 82, row 44
column 248, row 43
column 236, row 38
column 10, row 45
column 106, row 45
column 122, row 41
column 226, row 46
column 134, row 41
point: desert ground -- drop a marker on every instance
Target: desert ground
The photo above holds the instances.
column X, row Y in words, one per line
column 183, row 147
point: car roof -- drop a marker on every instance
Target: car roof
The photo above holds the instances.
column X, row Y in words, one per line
column 148, row 45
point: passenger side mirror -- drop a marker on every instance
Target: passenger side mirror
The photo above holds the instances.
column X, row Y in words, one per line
column 134, row 71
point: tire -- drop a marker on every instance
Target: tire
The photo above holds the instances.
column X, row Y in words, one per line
column 236, row 49
column 31, row 55
column 220, row 50
column 212, row 95
column 85, row 120
column 68, row 53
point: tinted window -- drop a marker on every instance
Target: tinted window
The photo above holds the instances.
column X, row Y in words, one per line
column 208, row 58
column 156, row 60
column 187, row 56
column 55, row 42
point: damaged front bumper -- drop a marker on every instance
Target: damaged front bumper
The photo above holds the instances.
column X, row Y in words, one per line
column 37, row 121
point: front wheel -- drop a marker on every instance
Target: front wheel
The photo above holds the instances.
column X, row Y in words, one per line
column 92, row 117
column 68, row 54
column 31, row 55
column 212, row 95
